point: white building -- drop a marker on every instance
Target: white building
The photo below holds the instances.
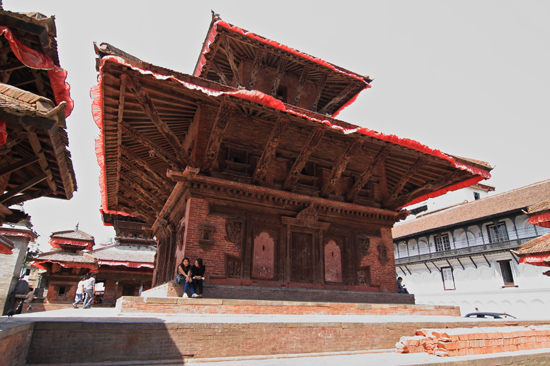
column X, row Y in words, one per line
column 461, row 255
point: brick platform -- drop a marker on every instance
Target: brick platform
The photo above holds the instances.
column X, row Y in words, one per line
column 176, row 305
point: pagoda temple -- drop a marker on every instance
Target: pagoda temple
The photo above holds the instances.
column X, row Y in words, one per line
column 244, row 164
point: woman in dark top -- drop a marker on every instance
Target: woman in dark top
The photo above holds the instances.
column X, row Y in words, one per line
column 197, row 272
column 184, row 270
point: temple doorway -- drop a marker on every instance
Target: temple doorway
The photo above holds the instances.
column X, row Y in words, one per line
column 301, row 257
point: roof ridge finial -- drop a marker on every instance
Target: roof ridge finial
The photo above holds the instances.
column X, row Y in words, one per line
column 78, row 223
column 215, row 16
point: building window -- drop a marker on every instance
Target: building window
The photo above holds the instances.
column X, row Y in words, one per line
column 497, row 232
column 477, row 196
column 506, row 270
column 442, row 243
column 448, row 278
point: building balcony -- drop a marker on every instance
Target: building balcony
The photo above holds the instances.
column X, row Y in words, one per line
column 474, row 250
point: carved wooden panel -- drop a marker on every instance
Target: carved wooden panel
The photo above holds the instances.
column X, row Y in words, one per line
column 333, row 262
column 233, row 267
column 301, row 257
column 263, row 260
column 363, row 276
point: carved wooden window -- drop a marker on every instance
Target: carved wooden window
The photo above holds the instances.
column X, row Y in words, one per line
column 237, row 161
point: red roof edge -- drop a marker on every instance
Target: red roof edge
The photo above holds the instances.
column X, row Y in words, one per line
column 259, row 97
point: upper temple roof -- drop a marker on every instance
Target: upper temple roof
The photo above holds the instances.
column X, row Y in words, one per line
column 242, row 59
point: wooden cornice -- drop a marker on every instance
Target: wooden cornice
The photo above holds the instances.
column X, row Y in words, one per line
column 365, row 176
column 148, row 107
column 256, row 67
column 415, row 167
column 39, row 152
column 231, row 59
column 339, row 167
column 59, row 151
column 225, row 111
column 310, row 145
column 319, row 85
column 269, row 151
column 431, row 186
column 119, row 119
column 281, row 68
column 338, row 98
column 151, row 145
column 301, row 83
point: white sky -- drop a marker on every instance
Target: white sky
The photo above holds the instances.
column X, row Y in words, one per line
column 470, row 78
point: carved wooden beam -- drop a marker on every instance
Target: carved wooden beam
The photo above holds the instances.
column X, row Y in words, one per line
column 231, row 60
column 216, row 136
column 211, row 57
column 150, row 110
column 417, row 165
column 219, row 72
column 147, row 179
column 339, row 167
column 28, row 184
column 43, row 161
column 338, row 98
column 365, row 176
column 15, row 200
column 301, row 160
column 13, row 139
column 256, row 67
column 151, row 145
column 319, row 85
column 143, row 166
column 269, row 151
column 18, row 165
column 281, row 68
column 431, row 186
column 301, row 83
column 63, row 163
column 138, row 193
column 135, row 209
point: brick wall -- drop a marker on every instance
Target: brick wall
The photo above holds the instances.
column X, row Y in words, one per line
column 14, row 344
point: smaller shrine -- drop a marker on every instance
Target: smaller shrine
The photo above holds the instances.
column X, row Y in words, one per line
column 124, row 268
column 537, row 251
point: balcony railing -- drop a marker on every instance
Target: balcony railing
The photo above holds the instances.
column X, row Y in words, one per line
column 464, row 252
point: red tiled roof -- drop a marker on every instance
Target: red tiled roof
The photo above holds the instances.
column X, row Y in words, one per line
column 516, row 199
column 536, row 246
column 72, row 234
column 539, row 207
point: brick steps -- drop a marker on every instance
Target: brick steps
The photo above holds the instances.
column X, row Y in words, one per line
column 176, row 305
column 286, row 292
column 475, row 341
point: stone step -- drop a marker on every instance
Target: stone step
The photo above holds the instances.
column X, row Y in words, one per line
column 177, row 305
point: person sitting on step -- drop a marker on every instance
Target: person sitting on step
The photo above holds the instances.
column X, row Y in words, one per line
column 184, row 277
column 197, row 272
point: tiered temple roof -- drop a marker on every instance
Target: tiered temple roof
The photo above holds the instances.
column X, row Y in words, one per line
column 34, row 101
column 148, row 119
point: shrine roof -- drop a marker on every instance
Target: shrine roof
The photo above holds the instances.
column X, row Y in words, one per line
column 536, row 246
column 72, row 234
column 64, row 256
column 539, row 207
column 338, row 87
column 125, row 253
column 161, row 105
column 513, row 200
